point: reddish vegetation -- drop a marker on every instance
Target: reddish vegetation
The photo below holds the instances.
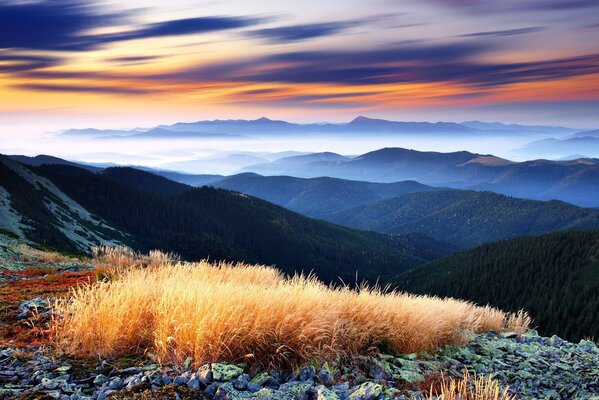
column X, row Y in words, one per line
column 31, row 283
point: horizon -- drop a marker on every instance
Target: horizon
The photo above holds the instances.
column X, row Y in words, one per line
column 197, row 155
column 75, row 63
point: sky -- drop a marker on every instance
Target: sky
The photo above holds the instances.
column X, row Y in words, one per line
column 125, row 64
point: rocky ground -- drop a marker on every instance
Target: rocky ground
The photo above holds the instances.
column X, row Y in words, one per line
column 533, row 367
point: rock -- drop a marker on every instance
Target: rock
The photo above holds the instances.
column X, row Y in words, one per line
column 204, row 374
column 241, row 383
column 323, row 393
column 100, row 379
column 379, row 371
column 226, row 391
column 63, row 369
column 116, row 383
column 188, row 363
column 211, row 389
column 180, row 381
column 194, row 382
column 30, row 307
column 342, row 389
column 325, row 376
column 225, row 372
column 366, row 391
column 306, row 374
column 299, row 390
column 253, row 387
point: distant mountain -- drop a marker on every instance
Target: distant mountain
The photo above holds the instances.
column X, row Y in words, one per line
column 264, row 127
column 45, row 159
column 91, row 132
column 162, row 133
column 222, row 225
column 239, row 126
column 554, row 277
column 499, row 127
column 579, row 144
column 316, row 197
column 228, row 163
column 35, row 209
column 467, row 218
column 593, row 134
column 187, row 179
column 288, row 165
column 364, row 124
column 575, row 181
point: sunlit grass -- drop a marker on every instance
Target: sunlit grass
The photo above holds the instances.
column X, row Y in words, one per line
column 226, row 312
column 470, row 387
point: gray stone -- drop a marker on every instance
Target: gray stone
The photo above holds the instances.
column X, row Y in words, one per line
column 225, row 372
column 194, row 382
column 180, row 381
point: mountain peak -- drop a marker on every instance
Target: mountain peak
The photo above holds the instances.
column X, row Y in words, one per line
column 361, row 119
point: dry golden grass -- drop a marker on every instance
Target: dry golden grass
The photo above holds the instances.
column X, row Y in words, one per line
column 470, row 387
column 28, row 253
column 226, row 312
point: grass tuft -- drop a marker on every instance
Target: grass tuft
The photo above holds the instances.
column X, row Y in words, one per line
column 470, row 387
column 254, row 314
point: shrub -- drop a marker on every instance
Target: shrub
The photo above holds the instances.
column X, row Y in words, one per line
column 240, row 312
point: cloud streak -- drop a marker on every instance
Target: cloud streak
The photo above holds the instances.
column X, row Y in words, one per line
column 83, row 89
column 507, row 32
column 297, row 33
column 457, row 62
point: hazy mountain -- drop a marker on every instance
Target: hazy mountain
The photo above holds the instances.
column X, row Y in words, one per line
column 228, row 163
column 499, row 127
column 261, row 125
column 187, row 179
column 316, row 197
column 35, row 209
column 554, row 277
column 593, row 133
column 579, row 144
column 91, row 132
column 467, row 218
column 162, row 133
column 264, row 127
column 223, row 225
column 290, row 165
column 575, row 181
column 364, row 124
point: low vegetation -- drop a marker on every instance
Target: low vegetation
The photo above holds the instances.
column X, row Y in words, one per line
column 470, row 387
column 255, row 314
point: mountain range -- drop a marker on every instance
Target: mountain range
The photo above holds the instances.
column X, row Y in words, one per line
column 60, row 205
column 360, row 125
column 464, row 218
column 467, row 218
column 574, row 181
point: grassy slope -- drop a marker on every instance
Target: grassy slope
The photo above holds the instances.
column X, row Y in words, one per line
column 468, row 218
column 554, row 277
column 219, row 224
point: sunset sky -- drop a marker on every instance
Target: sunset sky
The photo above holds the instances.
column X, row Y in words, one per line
column 78, row 63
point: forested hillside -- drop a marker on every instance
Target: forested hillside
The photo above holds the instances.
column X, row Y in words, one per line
column 223, row 225
column 317, row 197
column 554, row 277
column 467, row 218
